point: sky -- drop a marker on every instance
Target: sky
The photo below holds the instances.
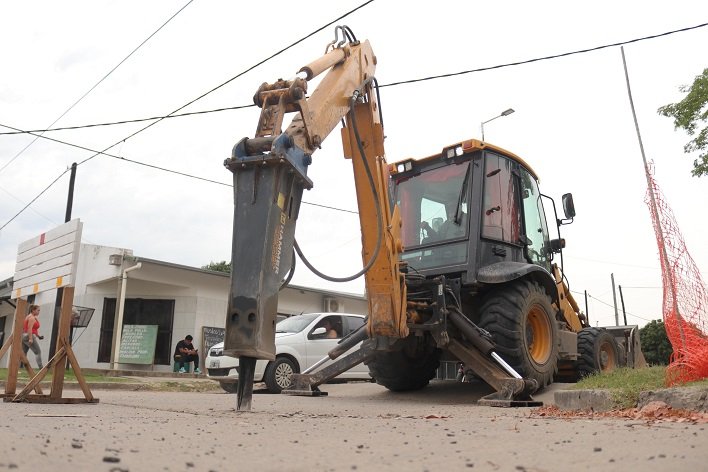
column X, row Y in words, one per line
column 572, row 123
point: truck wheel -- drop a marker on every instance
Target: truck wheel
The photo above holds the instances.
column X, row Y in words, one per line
column 598, row 351
column 521, row 319
column 229, row 387
column 411, row 368
column 277, row 374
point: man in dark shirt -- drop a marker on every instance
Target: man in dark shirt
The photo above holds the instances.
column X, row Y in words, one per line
column 185, row 353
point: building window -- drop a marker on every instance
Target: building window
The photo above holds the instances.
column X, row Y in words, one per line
column 139, row 311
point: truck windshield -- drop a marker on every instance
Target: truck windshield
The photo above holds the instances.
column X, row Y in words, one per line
column 434, row 210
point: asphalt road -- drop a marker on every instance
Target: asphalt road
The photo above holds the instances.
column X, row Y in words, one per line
column 359, row 426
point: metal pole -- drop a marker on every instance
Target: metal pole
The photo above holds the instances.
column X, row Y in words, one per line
column 614, row 297
column 624, row 313
column 60, row 290
column 70, row 198
column 666, row 267
column 587, row 310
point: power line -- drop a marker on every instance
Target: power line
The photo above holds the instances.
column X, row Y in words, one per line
column 138, row 120
column 124, row 159
column 96, row 85
column 33, row 200
column 97, row 153
column 152, row 166
column 402, row 82
column 237, row 76
column 174, row 113
column 22, row 203
column 554, row 56
column 612, row 306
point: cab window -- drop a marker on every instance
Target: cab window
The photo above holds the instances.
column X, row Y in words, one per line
column 535, row 227
column 501, row 218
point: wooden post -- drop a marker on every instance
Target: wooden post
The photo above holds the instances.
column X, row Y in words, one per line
column 11, row 384
column 57, row 362
column 21, row 357
column 34, row 381
column 62, row 341
column 6, row 347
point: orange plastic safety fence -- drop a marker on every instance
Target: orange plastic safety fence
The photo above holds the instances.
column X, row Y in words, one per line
column 685, row 302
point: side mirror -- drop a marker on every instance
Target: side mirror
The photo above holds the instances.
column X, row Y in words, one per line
column 556, row 245
column 568, row 206
column 319, row 332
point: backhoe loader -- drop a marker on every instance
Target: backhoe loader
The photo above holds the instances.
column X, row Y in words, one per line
column 458, row 260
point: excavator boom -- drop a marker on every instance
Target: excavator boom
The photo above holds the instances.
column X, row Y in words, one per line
column 270, row 174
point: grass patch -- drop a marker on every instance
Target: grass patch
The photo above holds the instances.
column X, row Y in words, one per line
column 625, row 384
column 68, row 376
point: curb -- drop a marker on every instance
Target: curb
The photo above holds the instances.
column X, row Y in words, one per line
column 684, row 398
column 596, row 400
column 680, row 398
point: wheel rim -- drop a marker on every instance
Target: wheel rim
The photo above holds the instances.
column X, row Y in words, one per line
column 282, row 374
column 607, row 357
column 539, row 335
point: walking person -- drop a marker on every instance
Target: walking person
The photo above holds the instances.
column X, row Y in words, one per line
column 30, row 334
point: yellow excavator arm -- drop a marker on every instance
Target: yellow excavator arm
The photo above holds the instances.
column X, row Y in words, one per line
column 270, row 174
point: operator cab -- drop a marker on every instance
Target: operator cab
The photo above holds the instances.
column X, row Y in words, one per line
column 469, row 207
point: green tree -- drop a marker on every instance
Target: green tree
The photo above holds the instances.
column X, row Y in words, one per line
column 655, row 343
column 690, row 114
column 222, row 266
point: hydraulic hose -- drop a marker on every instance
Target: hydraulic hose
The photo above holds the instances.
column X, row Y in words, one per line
column 377, row 203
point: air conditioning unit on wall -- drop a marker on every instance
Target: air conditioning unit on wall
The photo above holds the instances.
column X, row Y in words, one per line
column 332, row 305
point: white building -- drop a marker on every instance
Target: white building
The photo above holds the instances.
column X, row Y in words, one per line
column 180, row 300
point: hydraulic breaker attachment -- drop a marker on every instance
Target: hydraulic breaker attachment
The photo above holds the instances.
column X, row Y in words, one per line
column 511, row 389
column 244, row 388
column 269, row 177
column 305, row 384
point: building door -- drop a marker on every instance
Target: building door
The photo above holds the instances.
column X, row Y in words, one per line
column 139, row 311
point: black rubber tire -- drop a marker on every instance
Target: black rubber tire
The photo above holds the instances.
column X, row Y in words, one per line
column 521, row 319
column 598, row 351
column 411, row 368
column 229, row 387
column 277, row 373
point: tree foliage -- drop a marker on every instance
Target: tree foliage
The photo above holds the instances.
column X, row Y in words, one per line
column 691, row 115
column 655, row 343
column 222, row 266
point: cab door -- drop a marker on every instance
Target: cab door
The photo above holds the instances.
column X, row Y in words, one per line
column 318, row 345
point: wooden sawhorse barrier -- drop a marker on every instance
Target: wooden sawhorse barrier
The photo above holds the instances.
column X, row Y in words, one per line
column 58, row 361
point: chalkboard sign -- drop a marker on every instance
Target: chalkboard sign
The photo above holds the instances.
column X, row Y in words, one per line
column 137, row 344
column 211, row 336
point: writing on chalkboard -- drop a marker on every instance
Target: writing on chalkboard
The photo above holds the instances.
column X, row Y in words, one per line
column 137, row 344
column 211, row 335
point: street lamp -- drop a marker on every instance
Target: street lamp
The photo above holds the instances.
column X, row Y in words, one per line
column 506, row 112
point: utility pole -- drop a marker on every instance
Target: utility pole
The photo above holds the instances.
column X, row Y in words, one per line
column 614, row 297
column 587, row 311
column 624, row 312
column 60, row 290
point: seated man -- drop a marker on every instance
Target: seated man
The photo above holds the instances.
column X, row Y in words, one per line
column 448, row 229
column 185, row 353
